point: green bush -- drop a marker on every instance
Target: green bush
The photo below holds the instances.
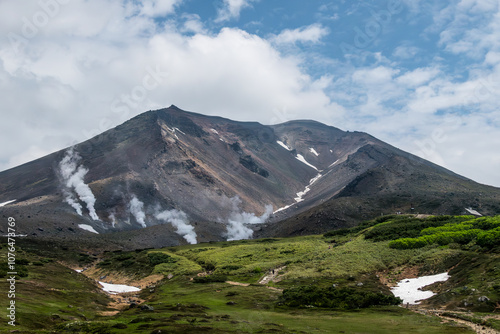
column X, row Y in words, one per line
column 123, row 257
column 231, row 267
column 441, row 238
column 409, row 227
column 104, row 263
column 339, row 232
column 84, row 327
column 158, row 257
column 210, row 279
column 343, row 298
column 128, row 263
column 489, row 239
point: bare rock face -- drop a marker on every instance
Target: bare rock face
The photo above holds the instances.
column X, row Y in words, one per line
column 169, row 176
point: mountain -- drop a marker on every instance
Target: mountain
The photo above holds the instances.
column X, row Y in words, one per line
column 174, row 176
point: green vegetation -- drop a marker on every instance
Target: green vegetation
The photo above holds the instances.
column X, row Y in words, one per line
column 323, row 283
column 210, row 279
column 331, row 297
column 484, row 232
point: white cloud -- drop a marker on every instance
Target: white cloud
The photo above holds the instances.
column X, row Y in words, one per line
column 470, row 27
column 66, row 85
column 70, row 80
column 377, row 75
column 308, row 34
column 231, row 9
column 155, row 8
column 417, row 77
column 405, row 52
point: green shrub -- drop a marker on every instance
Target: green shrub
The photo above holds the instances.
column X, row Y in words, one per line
column 127, row 263
column 339, row 232
column 343, row 298
column 210, row 279
column 123, row 257
column 231, row 267
column 489, row 239
column 104, row 263
column 156, row 258
column 84, row 327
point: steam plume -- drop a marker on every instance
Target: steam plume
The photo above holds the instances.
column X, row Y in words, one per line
column 72, row 175
column 136, row 208
column 236, row 229
column 71, row 200
column 180, row 221
column 112, row 217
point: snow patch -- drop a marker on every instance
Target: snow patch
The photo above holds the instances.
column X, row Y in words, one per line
column 283, row 145
column 282, row 209
column 214, row 131
column 118, row 288
column 331, row 151
column 177, row 129
column 313, row 151
column 87, row 228
column 300, row 195
column 301, row 158
column 8, row 202
column 409, row 290
column 334, row 163
column 469, row 210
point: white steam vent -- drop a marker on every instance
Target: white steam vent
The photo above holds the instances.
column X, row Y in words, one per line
column 136, row 208
column 180, row 221
column 72, row 176
column 237, row 221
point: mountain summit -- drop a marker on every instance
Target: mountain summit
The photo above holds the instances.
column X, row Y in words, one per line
column 187, row 177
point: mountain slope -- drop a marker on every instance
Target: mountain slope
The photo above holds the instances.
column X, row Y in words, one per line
column 209, row 178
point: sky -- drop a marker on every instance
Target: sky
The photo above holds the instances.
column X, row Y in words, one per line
column 421, row 75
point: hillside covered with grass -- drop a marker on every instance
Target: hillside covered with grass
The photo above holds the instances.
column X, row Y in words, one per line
column 327, row 283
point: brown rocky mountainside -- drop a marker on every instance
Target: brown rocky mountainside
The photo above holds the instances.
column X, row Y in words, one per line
column 208, row 178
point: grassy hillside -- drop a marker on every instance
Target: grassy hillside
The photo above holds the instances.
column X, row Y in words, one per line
column 218, row 287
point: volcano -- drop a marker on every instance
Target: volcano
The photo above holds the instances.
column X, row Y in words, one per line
column 170, row 176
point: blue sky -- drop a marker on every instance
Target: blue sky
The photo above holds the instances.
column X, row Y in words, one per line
column 421, row 75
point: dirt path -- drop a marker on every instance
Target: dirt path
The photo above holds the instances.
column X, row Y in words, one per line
column 480, row 329
column 271, row 276
column 237, row 283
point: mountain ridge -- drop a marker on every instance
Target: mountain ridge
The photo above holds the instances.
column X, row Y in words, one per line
column 224, row 174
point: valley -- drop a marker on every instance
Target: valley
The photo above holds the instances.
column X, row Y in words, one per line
column 219, row 287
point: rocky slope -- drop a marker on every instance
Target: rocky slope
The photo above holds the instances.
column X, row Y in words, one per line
column 208, row 178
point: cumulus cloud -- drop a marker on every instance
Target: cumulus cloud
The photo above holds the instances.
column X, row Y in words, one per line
column 72, row 174
column 308, row 34
column 156, row 8
column 84, row 72
column 231, row 9
column 180, row 221
column 80, row 54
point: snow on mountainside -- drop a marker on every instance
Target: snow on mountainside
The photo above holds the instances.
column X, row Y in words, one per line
column 201, row 178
